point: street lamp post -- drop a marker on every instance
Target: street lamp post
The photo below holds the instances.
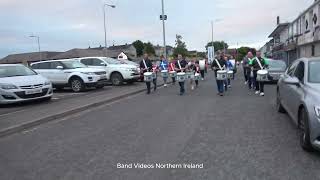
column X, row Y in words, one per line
column 212, row 22
column 164, row 30
column 38, row 39
column 104, row 23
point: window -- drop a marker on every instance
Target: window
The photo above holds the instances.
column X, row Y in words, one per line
column 312, row 50
column 55, row 64
column 97, row 62
column 291, row 69
column 299, row 72
column 45, row 65
column 314, row 73
column 87, row 62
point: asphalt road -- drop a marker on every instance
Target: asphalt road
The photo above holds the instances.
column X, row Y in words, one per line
column 238, row 136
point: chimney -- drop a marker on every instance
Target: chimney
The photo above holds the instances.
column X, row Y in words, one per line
column 278, row 20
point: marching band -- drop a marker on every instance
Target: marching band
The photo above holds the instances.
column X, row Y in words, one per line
column 255, row 72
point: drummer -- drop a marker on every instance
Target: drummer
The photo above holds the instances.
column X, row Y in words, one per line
column 164, row 66
column 196, row 70
column 256, row 67
column 147, row 66
column 180, row 66
column 172, row 68
column 202, row 68
column 247, row 70
column 215, row 67
column 229, row 67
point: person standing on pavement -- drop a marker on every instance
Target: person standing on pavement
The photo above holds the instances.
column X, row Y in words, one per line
column 258, row 63
column 172, row 68
column 180, row 66
column 147, row 66
column 196, row 69
column 164, row 66
column 219, row 64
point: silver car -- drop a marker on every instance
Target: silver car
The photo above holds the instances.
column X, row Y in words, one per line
column 298, row 94
column 276, row 69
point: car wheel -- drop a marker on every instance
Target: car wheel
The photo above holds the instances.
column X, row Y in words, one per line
column 116, row 79
column 77, row 85
column 304, row 132
column 280, row 108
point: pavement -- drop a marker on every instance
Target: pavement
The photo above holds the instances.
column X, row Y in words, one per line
column 238, row 136
column 17, row 117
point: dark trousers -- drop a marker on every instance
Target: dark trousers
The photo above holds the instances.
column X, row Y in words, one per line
column 182, row 90
column 259, row 84
column 197, row 82
column 245, row 72
column 202, row 73
column 174, row 80
column 251, row 82
column 220, row 85
column 149, row 85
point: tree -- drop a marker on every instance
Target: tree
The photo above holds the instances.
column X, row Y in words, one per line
column 243, row 51
column 181, row 47
column 218, row 45
column 139, row 47
column 149, row 49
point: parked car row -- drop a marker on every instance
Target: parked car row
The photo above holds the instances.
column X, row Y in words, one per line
column 20, row 83
column 298, row 95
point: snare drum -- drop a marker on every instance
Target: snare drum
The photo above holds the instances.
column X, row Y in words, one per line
column 181, row 76
column 202, row 64
column 230, row 74
column 154, row 75
column 189, row 75
column 164, row 73
column 222, row 75
column 148, row 76
column 197, row 77
column 173, row 74
column 262, row 75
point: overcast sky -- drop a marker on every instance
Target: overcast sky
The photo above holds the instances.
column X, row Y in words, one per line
column 67, row 24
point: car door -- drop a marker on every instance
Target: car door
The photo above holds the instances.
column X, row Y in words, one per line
column 43, row 69
column 58, row 74
column 284, row 88
column 96, row 63
column 297, row 92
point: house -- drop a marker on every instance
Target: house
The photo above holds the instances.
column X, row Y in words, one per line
column 128, row 49
column 299, row 38
column 27, row 58
column 279, row 37
column 159, row 50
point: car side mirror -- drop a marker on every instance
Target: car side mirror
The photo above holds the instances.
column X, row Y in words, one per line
column 103, row 64
column 59, row 67
column 292, row 81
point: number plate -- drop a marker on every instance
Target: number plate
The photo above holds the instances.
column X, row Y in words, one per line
column 33, row 91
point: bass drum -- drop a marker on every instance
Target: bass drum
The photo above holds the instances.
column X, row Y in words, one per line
column 202, row 64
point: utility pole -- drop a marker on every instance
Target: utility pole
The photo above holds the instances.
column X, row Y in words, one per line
column 38, row 39
column 164, row 31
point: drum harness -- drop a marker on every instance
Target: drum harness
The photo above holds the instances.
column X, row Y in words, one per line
column 180, row 66
column 145, row 65
column 218, row 64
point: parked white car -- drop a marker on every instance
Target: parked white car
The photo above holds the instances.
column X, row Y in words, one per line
column 117, row 72
column 71, row 73
column 19, row 83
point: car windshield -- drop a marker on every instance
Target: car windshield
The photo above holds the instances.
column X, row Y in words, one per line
column 73, row 64
column 277, row 65
column 314, row 73
column 112, row 61
column 12, row 71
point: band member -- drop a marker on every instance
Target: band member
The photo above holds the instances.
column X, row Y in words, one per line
column 147, row 66
column 180, row 66
column 172, row 68
column 202, row 68
column 196, row 69
column 215, row 67
column 164, row 66
column 229, row 66
column 248, row 70
column 255, row 66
